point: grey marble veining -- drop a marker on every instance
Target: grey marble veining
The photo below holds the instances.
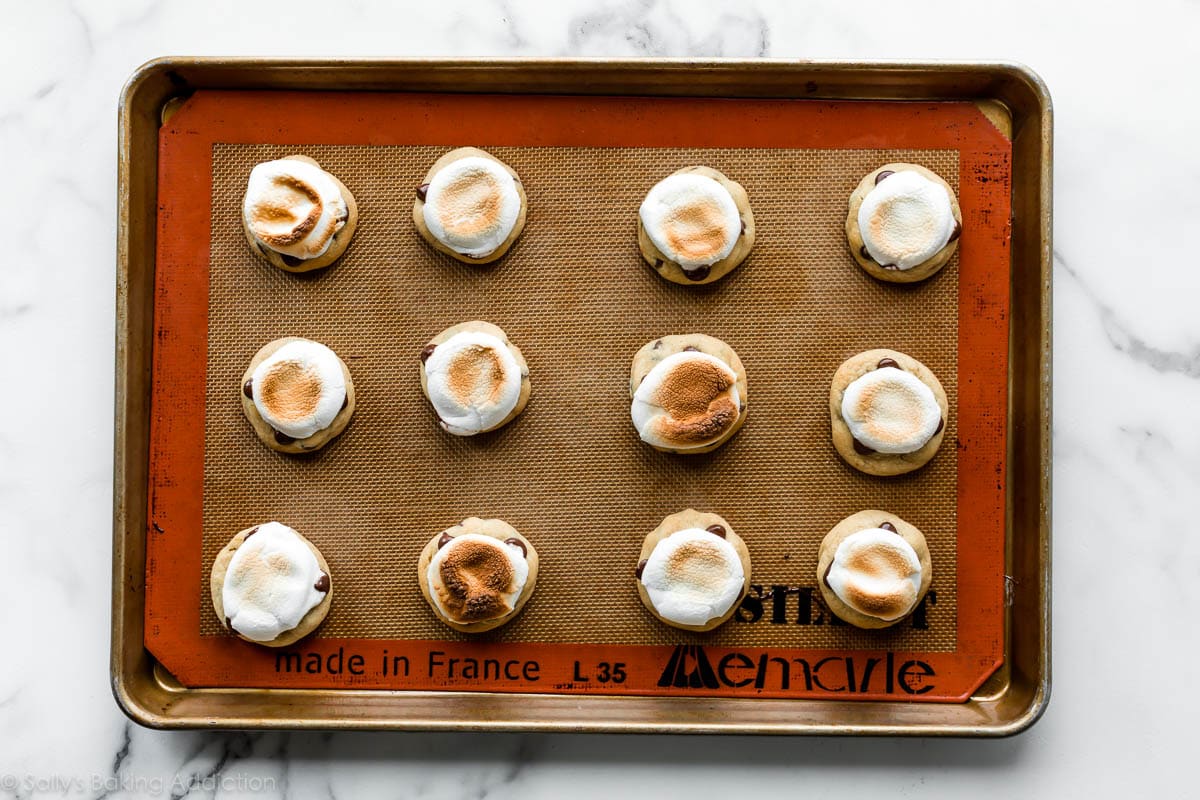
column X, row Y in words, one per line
column 1127, row 437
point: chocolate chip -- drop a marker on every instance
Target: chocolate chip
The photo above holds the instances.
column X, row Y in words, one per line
column 691, row 349
column 248, row 389
column 941, row 425
column 444, row 540
column 957, row 231
column 250, row 532
column 515, row 542
column 862, row 449
column 322, row 584
column 887, row 526
column 717, row 530
column 888, row 362
column 657, row 344
column 422, row 190
column 229, row 623
column 291, row 261
column 884, row 174
column 743, row 226
column 641, row 567
column 825, row 577
column 696, row 273
column 345, row 402
column 658, row 262
column 863, row 252
column 283, row 438
column 427, row 351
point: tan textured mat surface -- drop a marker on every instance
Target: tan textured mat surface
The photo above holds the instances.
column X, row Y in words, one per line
column 570, row 473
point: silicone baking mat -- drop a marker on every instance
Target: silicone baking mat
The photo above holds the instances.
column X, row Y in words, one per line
column 570, row 472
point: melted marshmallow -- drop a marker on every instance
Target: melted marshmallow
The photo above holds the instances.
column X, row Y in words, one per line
column 877, row 573
column 693, row 577
column 475, row 578
column 299, row 388
column 472, row 205
column 891, row 411
column 293, row 207
column 474, row 382
column 689, row 399
column 692, row 219
column 906, row 219
column 271, row 583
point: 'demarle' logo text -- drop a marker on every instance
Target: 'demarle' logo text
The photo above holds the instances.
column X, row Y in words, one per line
column 690, row 667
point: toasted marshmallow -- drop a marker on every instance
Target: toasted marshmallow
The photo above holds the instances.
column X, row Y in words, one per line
column 891, row 411
column 906, row 219
column 293, row 207
column 474, row 578
column 474, row 382
column 299, row 388
column 688, row 399
column 472, row 205
column 693, row 576
column 692, row 219
column 271, row 583
column 877, row 573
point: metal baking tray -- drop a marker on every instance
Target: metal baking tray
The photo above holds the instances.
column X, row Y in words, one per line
column 1011, row 96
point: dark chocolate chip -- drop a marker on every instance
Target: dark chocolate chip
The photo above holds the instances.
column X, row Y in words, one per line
column 283, row 438
column 345, row 402
column 658, row 262
column 422, row 190
column 657, row 344
column 229, row 623
column 427, row 351
column 444, row 540
column 291, row 261
column 322, row 584
column 825, row 577
column 696, row 273
column 887, row 526
column 743, row 226
column 641, row 567
column 863, row 252
column 250, row 532
column 248, row 389
column 862, row 449
column 884, row 174
column 887, row 362
column 718, row 530
column 941, row 425
column 515, row 542
column 957, row 231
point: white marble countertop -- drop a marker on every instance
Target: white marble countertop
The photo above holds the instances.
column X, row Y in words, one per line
column 1127, row 439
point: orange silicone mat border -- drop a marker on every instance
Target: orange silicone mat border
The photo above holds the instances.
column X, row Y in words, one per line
column 173, row 560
